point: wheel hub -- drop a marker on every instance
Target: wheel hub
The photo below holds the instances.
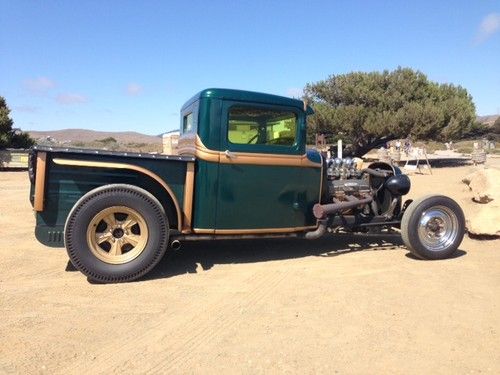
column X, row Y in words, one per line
column 438, row 227
column 117, row 235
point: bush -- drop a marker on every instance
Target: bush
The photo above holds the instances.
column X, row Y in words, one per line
column 107, row 140
column 21, row 140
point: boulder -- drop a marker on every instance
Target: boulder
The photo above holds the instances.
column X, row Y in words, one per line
column 483, row 184
column 485, row 222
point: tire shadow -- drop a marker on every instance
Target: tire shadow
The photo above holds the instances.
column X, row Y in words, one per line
column 457, row 254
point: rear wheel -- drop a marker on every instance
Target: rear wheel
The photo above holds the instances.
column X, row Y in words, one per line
column 433, row 227
column 116, row 233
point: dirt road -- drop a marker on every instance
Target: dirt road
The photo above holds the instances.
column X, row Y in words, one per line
column 337, row 305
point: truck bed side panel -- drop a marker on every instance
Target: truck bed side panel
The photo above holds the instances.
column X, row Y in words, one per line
column 66, row 184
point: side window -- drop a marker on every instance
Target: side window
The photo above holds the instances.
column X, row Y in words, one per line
column 189, row 118
column 187, row 123
column 262, row 126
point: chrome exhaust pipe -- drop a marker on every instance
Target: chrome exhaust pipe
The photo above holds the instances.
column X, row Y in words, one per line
column 175, row 244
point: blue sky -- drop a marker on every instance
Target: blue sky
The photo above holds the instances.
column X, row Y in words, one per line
column 130, row 65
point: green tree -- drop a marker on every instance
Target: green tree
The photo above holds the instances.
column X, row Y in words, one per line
column 9, row 137
column 369, row 109
column 5, row 123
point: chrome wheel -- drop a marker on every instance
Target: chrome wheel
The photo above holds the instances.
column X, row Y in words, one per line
column 438, row 228
column 117, row 235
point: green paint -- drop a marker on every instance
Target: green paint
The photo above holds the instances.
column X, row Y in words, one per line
column 226, row 196
column 259, row 196
column 205, row 196
column 67, row 184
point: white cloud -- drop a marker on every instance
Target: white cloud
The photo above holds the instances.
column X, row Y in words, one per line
column 69, row 98
column 39, row 85
column 294, row 92
column 26, row 109
column 134, row 89
column 489, row 26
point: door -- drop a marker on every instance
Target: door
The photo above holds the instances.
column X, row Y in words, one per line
column 260, row 187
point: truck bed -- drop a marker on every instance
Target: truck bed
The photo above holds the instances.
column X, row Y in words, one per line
column 69, row 173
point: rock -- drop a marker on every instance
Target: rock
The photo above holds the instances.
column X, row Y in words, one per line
column 484, row 187
column 482, row 184
column 485, row 221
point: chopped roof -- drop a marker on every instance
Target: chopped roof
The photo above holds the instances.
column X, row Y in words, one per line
column 248, row 96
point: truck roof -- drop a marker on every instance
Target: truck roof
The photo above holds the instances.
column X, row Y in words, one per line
column 248, row 96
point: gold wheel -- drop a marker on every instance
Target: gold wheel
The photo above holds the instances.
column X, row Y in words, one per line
column 117, row 235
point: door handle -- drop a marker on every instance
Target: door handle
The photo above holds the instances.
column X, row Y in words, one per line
column 229, row 154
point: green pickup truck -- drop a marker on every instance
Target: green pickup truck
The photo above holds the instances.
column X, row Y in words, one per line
column 243, row 171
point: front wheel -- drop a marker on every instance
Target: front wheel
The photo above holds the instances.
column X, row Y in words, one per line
column 116, row 233
column 433, row 227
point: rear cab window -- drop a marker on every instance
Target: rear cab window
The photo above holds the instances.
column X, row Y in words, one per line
column 189, row 119
column 187, row 123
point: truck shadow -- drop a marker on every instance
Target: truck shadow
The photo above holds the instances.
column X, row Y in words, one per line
column 201, row 256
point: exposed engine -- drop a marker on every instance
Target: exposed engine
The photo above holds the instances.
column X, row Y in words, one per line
column 372, row 191
column 345, row 178
column 360, row 197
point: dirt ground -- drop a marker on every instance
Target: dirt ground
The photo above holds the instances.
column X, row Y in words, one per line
column 350, row 304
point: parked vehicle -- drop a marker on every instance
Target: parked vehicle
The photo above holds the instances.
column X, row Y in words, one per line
column 243, row 171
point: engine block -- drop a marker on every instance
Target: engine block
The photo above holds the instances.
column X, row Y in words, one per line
column 344, row 178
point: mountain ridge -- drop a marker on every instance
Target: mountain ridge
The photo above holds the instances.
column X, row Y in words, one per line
column 86, row 135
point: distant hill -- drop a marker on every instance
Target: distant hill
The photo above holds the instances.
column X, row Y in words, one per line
column 84, row 135
column 487, row 120
column 68, row 136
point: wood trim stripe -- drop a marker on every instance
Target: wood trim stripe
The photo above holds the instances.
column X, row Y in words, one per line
column 191, row 144
column 247, row 158
column 203, row 231
column 99, row 164
column 188, row 199
column 41, row 166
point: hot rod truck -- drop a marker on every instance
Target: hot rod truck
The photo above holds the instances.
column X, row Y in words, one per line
column 243, row 171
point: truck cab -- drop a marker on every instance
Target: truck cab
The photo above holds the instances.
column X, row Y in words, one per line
column 252, row 171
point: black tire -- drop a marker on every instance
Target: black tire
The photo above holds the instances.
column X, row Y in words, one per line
column 146, row 240
column 433, row 227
